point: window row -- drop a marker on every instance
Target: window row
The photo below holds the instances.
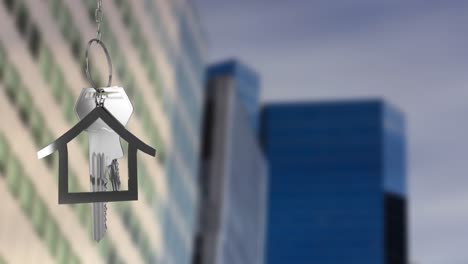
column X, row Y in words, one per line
column 187, row 96
column 19, row 96
column 189, row 45
column 159, row 29
column 184, row 146
column 67, row 28
column 138, row 236
column 34, row 208
column 19, row 11
column 179, row 195
column 141, row 45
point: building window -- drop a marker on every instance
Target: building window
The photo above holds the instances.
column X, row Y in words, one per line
column 127, row 17
column 24, row 102
column 83, row 213
column 46, row 137
column 63, row 252
column 22, row 20
column 14, row 176
column 12, row 80
column 38, row 216
column 4, row 152
column 10, row 4
column 152, row 75
column 126, row 216
column 36, row 124
column 68, row 105
column 138, row 105
column 34, row 41
column 45, row 62
column 51, row 237
column 144, row 245
column 112, row 258
column 134, row 35
column 91, row 10
column 74, row 260
column 65, row 25
column 57, row 84
column 73, row 184
column 2, row 62
column 135, row 232
column 76, row 47
column 26, row 194
column 146, row 118
column 104, row 247
column 118, row 3
column 54, row 5
column 130, row 85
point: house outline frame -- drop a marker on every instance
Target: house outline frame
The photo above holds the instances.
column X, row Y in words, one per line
column 60, row 144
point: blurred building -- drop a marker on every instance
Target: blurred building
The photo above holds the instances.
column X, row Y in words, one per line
column 233, row 181
column 157, row 51
column 246, row 85
column 337, row 183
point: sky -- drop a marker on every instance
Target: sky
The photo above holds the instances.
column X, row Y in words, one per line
column 412, row 53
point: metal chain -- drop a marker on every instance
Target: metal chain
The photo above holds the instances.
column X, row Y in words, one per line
column 98, row 17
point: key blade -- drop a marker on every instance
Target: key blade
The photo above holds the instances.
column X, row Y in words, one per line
column 99, row 221
column 99, row 184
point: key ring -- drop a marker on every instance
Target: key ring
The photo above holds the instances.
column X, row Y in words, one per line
column 109, row 63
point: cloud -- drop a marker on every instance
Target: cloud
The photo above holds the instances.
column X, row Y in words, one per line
column 412, row 53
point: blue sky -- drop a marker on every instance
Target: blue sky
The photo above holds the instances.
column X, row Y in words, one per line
column 412, row 53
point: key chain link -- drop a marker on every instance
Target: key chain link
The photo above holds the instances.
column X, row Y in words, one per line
column 98, row 18
column 99, row 97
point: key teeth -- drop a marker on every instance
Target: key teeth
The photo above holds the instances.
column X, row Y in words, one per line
column 105, row 218
column 105, row 205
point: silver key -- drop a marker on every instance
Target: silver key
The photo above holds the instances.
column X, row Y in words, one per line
column 104, row 147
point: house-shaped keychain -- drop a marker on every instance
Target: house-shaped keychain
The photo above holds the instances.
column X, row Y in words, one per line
column 134, row 144
column 91, row 109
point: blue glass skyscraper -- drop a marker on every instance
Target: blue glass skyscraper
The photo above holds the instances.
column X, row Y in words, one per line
column 233, row 179
column 337, row 183
column 246, row 84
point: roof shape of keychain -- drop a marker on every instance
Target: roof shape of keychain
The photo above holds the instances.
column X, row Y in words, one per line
column 103, row 113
